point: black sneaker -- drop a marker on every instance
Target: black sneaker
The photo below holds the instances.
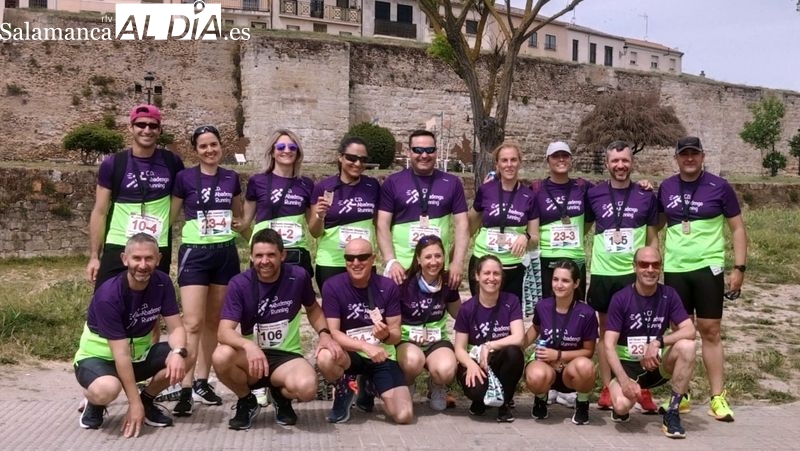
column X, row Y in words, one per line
column 342, row 400
column 365, row 399
column 477, row 408
column 184, row 406
column 246, row 409
column 581, row 415
column 284, row 413
column 204, row 393
column 617, row 418
column 671, row 425
column 504, row 414
column 92, row 416
column 155, row 415
column 539, row 410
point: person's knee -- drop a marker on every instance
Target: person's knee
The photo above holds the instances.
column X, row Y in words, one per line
column 709, row 330
column 536, row 379
column 104, row 390
column 583, row 367
column 443, row 374
column 223, row 357
column 193, row 325
column 412, row 363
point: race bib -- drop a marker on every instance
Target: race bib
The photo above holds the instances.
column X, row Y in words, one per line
column 499, row 242
column 291, row 232
column 349, row 233
column 565, row 236
column 636, row 347
column 150, row 225
column 214, row 222
column 363, row 334
column 271, row 335
column 416, row 232
column 424, row 335
column 618, row 241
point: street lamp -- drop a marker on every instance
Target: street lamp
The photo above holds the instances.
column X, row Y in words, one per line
column 148, row 87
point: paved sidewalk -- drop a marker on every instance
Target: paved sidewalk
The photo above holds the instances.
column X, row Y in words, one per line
column 35, row 418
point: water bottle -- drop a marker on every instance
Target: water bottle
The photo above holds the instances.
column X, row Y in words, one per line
column 540, row 342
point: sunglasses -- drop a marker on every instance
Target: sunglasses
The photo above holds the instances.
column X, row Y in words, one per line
column 733, row 295
column 292, row 147
column 353, row 158
column 144, row 125
column 205, row 129
column 646, row 265
column 360, row 257
column 421, row 150
column 428, row 239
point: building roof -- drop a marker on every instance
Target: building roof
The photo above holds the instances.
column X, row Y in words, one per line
column 652, row 45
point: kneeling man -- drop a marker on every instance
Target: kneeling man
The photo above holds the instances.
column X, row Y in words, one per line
column 639, row 353
column 265, row 300
column 116, row 348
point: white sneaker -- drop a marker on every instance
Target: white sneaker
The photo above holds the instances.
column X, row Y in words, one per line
column 552, row 395
column 261, row 396
column 567, row 399
column 438, row 397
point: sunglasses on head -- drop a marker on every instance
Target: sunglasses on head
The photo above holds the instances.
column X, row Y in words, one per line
column 646, row 265
column 353, row 158
column 144, row 125
column 292, row 147
column 360, row 257
column 421, row 150
column 428, row 239
column 205, row 129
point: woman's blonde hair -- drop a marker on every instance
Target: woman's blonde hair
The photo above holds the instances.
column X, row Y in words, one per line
column 269, row 159
column 507, row 145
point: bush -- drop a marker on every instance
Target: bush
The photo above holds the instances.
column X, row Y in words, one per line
column 380, row 142
column 93, row 140
column 774, row 161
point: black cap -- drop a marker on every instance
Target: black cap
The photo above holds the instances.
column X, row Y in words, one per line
column 688, row 142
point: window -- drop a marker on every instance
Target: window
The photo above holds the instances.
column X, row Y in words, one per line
column 608, row 56
column 320, row 28
column 405, row 13
column 345, row 33
column 228, row 22
column 673, row 63
column 343, row 3
column 42, row 4
column 383, row 10
column 593, row 53
column 549, row 42
column 292, row 27
column 574, row 50
column 472, row 27
column 533, row 41
column 250, row 5
column 654, row 62
column 259, row 25
column 633, row 58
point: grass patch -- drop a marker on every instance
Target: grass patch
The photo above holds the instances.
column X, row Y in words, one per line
column 780, row 397
column 771, row 252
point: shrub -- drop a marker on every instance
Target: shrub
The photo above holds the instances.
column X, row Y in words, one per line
column 14, row 90
column 93, row 140
column 380, row 142
column 774, row 161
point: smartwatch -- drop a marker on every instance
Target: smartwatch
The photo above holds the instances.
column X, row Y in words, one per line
column 181, row 352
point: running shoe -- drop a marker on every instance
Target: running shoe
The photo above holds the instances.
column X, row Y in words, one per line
column 247, row 409
column 617, row 418
column 184, row 406
column 156, row 415
column 719, row 407
column 539, row 409
column 477, row 408
column 504, row 414
column 365, row 393
column 552, row 396
column 204, row 393
column 566, row 399
column 171, row 393
column 342, row 400
column 261, row 396
column 91, row 415
column 684, row 407
column 671, row 425
column 581, row 415
column 604, row 403
column 438, row 400
column 646, row 403
column 284, row 413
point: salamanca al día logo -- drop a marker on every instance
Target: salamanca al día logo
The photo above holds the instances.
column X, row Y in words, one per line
column 160, row 22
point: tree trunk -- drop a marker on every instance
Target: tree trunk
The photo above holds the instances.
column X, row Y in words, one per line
column 490, row 135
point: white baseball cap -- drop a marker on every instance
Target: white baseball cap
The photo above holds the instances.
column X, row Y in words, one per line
column 558, row 146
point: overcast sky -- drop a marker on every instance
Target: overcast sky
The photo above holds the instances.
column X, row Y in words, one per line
column 739, row 41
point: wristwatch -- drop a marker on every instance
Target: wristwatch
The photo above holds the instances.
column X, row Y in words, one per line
column 741, row 268
column 181, row 352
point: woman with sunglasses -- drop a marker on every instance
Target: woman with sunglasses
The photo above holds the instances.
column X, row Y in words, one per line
column 210, row 198
column 426, row 296
column 503, row 215
column 343, row 208
column 280, row 199
column 489, row 335
column 565, row 330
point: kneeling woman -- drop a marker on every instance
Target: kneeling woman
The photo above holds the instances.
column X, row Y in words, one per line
column 565, row 329
column 491, row 322
column 425, row 344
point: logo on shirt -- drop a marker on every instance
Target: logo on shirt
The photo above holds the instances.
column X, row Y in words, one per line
column 205, row 194
column 413, row 196
column 513, row 214
column 144, row 314
column 675, row 201
column 356, row 203
column 608, row 211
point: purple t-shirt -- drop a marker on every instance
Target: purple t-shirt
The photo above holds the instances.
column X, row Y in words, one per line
column 641, row 208
column 487, row 202
column 351, row 203
column 551, row 200
column 153, row 172
column 276, row 301
column 709, row 196
column 399, row 195
column 278, row 197
column 573, row 328
column 116, row 312
column 634, row 315
column 340, row 299
column 473, row 318
column 419, row 308
column 226, row 186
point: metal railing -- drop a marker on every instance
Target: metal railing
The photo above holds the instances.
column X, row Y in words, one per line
column 398, row 29
column 319, row 10
column 243, row 5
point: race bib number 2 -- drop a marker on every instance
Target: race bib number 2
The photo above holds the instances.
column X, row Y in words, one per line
column 565, row 236
column 363, row 334
column 214, row 222
column 417, row 232
column 636, row 347
column 150, row 225
column 499, row 242
column 291, row 232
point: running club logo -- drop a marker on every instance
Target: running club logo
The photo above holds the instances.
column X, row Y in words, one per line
column 205, row 195
column 275, row 195
column 413, row 196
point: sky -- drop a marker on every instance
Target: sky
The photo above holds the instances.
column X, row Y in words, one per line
column 747, row 42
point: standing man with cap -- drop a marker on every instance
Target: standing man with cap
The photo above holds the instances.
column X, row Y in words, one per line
column 626, row 218
column 695, row 205
column 132, row 196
